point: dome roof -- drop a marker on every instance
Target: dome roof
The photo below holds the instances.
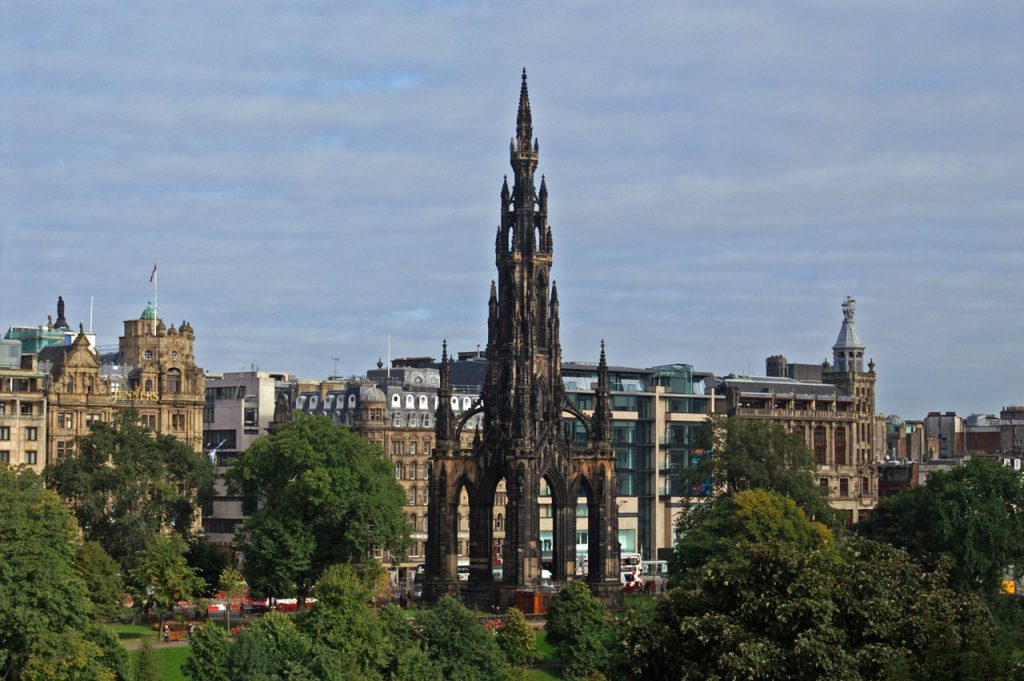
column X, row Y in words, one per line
column 149, row 312
column 372, row 394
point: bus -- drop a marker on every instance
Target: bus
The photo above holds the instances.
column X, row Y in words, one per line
column 630, row 572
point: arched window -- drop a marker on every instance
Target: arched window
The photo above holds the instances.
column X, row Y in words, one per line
column 413, row 520
column 426, row 524
column 412, row 496
column 410, row 402
column 426, row 420
column 413, row 470
column 499, row 522
column 351, row 401
column 396, row 400
column 89, row 384
column 314, row 402
column 71, row 384
column 399, row 470
column 423, row 401
column 455, row 403
column 149, row 385
column 329, row 402
column 466, row 403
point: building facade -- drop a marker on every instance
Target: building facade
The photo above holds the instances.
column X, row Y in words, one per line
column 833, row 412
column 23, row 408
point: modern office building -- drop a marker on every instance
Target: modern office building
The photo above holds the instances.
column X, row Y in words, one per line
column 238, row 408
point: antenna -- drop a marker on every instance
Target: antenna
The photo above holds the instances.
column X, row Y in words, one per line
column 90, row 314
column 389, row 358
column 335, row 366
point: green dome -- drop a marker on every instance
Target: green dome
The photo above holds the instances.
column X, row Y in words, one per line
column 149, row 312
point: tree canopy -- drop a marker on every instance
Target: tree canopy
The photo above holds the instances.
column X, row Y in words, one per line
column 748, row 454
column 862, row 610
column 318, row 495
column 162, row 577
column 972, row 516
column 45, row 632
column 126, row 484
column 720, row 529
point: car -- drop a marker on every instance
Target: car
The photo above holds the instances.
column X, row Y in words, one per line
column 463, row 573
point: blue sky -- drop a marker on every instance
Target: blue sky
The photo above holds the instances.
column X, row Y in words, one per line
column 313, row 177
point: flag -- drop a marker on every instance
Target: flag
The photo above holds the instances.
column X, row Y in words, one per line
column 152, row 274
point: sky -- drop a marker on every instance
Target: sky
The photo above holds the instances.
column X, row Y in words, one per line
column 313, row 178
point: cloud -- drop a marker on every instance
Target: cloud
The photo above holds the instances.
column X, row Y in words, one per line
column 721, row 176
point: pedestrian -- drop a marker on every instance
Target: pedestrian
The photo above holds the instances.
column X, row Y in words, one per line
column 191, row 630
column 167, row 634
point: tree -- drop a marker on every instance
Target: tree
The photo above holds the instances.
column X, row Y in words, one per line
column 972, row 515
column 718, row 530
column 748, row 454
column 163, row 577
column 103, row 581
column 347, row 630
column 862, row 610
column 578, row 627
column 516, row 639
column 147, row 667
column 459, row 644
column 273, row 648
column 45, row 631
column 208, row 656
column 320, row 495
column 125, row 485
column 232, row 586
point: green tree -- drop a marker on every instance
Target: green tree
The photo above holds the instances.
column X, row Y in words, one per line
column 718, row 530
column 163, row 577
column 748, row 454
column 348, row 631
column 45, row 632
column 459, row 645
column 319, row 495
column 125, row 485
column 516, row 639
column 209, row 560
column 972, row 515
column 272, row 648
column 147, row 667
column 232, row 586
column 861, row 610
column 208, row 656
column 578, row 628
column 103, row 581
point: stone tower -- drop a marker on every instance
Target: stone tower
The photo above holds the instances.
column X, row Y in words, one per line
column 522, row 440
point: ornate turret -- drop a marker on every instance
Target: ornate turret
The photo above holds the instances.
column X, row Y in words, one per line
column 848, row 352
column 444, row 417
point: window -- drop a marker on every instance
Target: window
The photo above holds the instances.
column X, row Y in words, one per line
column 31, row 458
column 410, row 402
column 582, row 538
column 92, row 418
column 398, row 471
column 396, row 400
column 63, row 449
column 844, row 487
column 581, row 512
column 546, row 541
column 412, row 448
column 397, row 447
column 5, row 456
column 499, row 522
column 149, row 385
column 413, row 468
column 178, row 421
column 3, row 408
column 412, row 496
column 423, row 402
column 31, row 433
column 174, row 354
column 500, row 498
column 65, row 420
column 90, row 385
column 148, row 354
column 148, row 421
column 5, row 432
column 820, row 446
column 173, row 381
column 545, row 510
column 26, row 409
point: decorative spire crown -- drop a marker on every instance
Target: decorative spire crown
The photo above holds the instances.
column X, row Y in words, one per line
column 524, row 121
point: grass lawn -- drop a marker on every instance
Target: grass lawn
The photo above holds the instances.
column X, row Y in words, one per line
column 133, row 632
column 170, row 661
